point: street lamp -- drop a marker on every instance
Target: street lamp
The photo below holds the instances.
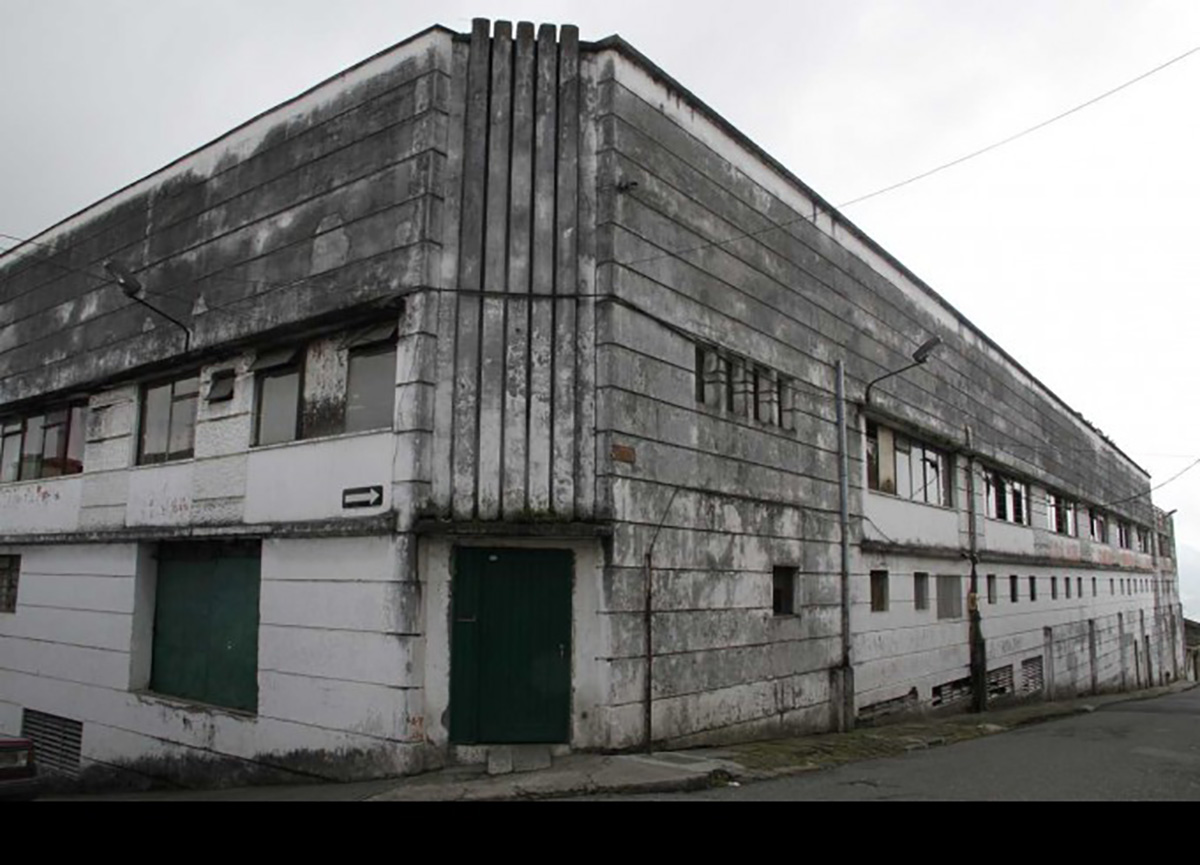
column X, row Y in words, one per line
column 920, row 357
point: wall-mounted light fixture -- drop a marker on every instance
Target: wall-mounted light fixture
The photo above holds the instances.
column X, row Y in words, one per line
column 920, row 358
column 133, row 290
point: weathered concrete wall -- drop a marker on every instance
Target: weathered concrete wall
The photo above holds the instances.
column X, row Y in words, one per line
column 514, row 365
column 339, row 685
column 326, row 202
column 708, row 248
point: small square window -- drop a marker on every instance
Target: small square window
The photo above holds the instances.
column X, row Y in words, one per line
column 950, row 600
column 921, row 591
column 783, row 595
column 10, row 575
column 879, row 591
column 221, row 388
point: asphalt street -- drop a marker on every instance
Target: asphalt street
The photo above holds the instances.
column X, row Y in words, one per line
column 1140, row 750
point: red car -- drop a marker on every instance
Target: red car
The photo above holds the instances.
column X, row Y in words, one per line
column 18, row 771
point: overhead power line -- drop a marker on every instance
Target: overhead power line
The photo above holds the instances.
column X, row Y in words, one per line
column 1022, row 133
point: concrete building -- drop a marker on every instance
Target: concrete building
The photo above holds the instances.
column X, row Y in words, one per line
column 345, row 445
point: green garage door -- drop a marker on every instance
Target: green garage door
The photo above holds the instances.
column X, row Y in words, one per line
column 510, row 667
column 206, row 624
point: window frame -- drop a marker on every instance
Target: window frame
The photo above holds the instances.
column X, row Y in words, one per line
column 168, row 456
column 918, row 453
column 10, row 584
column 1004, row 496
column 954, row 600
column 1062, row 515
column 880, row 591
column 783, row 591
column 921, row 591
column 15, row 429
column 372, row 349
column 294, row 366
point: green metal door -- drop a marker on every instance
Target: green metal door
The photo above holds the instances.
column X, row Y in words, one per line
column 206, row 624
column 510, row 664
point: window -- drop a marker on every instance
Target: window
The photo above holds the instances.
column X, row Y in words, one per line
column 743, row 388
column 1123, row 535
column 1143, row 540
column 205, row 643
column 1054, row 588
column 1067, row 585
column 1095, row 592
column 921, row 591
column 10, row 575
column 168, row 421
column 1006, row 499
column 1098, row 526
column 1032, row 589
column 371, row 388
column 907, row 468
column 1164, row 546
column 1014, row 591
column 991, row 588
column 879, row 591
column 1060, row 514
column 221, row 387
column 1112, row 587
column 1079, row 587
column 47, row 445
column 783, row 594
column 1123, row 587
column 277, row 414
column 949, row 598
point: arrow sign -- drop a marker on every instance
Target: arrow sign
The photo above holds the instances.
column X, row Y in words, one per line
column 363, row 497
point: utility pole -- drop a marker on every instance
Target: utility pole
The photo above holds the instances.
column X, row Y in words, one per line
column 846, row 676
column 979, row 684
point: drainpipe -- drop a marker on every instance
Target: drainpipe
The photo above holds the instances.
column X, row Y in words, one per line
column 979, row 686
column 648, row 633
column 846, row 711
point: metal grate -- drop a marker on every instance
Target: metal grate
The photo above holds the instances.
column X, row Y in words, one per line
column 884, row 708
column 1000, row 682
column 952, row 692
column 1032, row 680
column 56, row 741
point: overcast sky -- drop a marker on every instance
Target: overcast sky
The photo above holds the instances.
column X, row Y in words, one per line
column 1075, row 248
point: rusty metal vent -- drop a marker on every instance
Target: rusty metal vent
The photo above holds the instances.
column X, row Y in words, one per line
column 952, row 692
column 906, row 703
column 1032, row 680
column 1000, row 682
column 57, row 742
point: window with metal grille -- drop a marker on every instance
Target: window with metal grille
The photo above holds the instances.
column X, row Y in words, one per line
column 1000, row 682
column 57, row 742
column 10, row 576
column 950, row 598
column 879, row 591
column 783, row 593
column 921, row 591
column 1031, row 675
column 952, row 692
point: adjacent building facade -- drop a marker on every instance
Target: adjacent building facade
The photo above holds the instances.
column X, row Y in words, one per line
column 487, row 394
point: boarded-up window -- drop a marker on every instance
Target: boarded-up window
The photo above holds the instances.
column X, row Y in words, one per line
column 921, row 591
column 10, row 575
column 879, row 591
column 950, row 597
column 205, row 645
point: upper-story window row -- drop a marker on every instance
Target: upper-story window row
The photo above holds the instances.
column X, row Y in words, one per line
column 48, row 444
column 908, row 468
column 743, row 388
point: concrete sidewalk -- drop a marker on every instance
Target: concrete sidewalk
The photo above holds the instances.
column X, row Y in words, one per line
column 594, row 774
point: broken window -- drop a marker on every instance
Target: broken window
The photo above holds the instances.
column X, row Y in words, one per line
column 921, row 591
column 46, row 445
column 879, row 591
column 10, row 575
column 1098, row 526
column 1123, row 538
column 1060, row 514
column 1143, row 540
column 907, row 468
column 168, row 421
column 1006, row 499
column 783, row 591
